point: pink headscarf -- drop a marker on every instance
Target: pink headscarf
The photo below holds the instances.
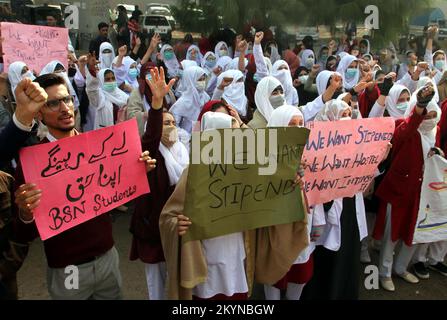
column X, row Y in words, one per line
column 292, row 60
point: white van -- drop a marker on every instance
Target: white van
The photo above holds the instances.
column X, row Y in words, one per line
column 156, row 24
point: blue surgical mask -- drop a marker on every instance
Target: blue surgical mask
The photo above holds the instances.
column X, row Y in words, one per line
column 180, row 73
column 440, row 65
column 210, row 63
column 402, row 106
column 133, row 73
column 110, row 86
column 351, row 73
column 169, row 55
column 148, row 77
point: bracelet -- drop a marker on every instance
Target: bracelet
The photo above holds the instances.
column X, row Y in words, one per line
column 23, row 220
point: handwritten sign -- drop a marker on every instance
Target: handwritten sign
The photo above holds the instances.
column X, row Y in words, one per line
column 432, row 218
column 343, row 156
column 227, row 198
column 85, row 176
column 34, row 45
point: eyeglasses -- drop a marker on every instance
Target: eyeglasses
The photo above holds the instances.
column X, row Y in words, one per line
column 54, row 105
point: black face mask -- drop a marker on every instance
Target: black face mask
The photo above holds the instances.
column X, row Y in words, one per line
column 71, row 72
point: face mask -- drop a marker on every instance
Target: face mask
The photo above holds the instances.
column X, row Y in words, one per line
column 223, row 53
column 411, row 62
column 169, row 55
column 303, row 79
column 402, row 106
column 180, row 73
column 109, row 86
column 256, row 77
column 277, row 101
column 169, row 136
column 351, row 73
column 201, row 85
column 149, row 77
column 440, row 65
column 210, row 63
column 362, row 50
column 28, row 75
column 428, row 125
column 133, row 73
column 250, row 51
column 107, row 58
column 324, row 57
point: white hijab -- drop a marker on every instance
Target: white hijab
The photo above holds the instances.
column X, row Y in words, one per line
column 50, row 67
column 332, row 111
column 124, row 77
column 283, row 115
column 218, row 47
column 117, row 97
column 274, row 56
column 15, row 75
column 234, row 94
column 176, row 160
column 343, row 66
column 215, row 121
column 224, row 63
column 262, row 96
column 192, row 100
column 322, row 80
column 428, row 128
column 207, row 69
column 106, row 60
column 182, row 86
column 173, row 65
column 445, row 60
column 305, row 55
column 199, row 56
column 285, row 77
column 391, row 101
column 234, row 64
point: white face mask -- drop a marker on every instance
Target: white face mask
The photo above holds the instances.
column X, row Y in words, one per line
column 277, row 101
column 303, row 79
column 223, row 53
column 310, row 62
column 201, row 85
column 108, row 59
column 28, row 75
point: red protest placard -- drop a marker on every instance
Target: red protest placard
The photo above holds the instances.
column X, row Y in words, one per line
column 85, row 176
column 34, row 45
column 343, row 156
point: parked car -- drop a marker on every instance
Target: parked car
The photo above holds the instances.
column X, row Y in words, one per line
column 162, row 11
column 156, row 24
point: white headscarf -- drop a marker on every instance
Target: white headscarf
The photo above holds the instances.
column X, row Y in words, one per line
column 176, row 160
column 445, row 60
column 283, row 115
column 50, row 68
column 322, row 80
column 124, row 75
column 343, row 66
column 305, row 55
column 207, row 69
column 199, row 55
column 285, row 77
column 262, row 95
column 215, row 121
column 332, row 111
column 117, row 97
column 182, row 86
column 173, row 65
column 191, row 101
column 15, row 75
column 224, row 63
column 218, row 47
column 234, row 94
column 274, row 56
column 391, row 101
column 421, row 83
column 106, row 60
column 428, row 128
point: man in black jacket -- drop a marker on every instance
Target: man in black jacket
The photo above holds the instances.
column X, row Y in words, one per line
column 103, row 30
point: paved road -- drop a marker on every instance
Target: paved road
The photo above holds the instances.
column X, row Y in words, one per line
column 32, row 276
